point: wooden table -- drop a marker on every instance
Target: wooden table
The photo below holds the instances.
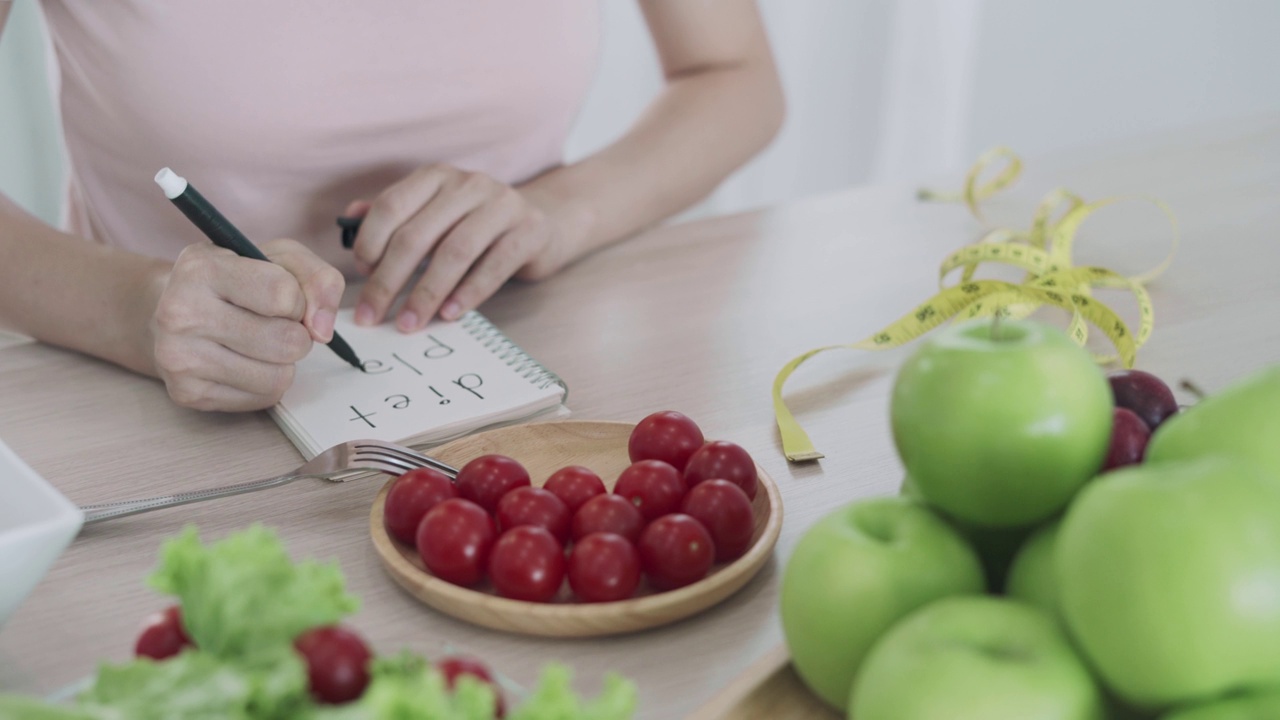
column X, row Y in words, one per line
column 695, row 317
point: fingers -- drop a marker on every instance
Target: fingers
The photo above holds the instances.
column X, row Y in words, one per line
column 204, row 375
column 320, row 282
column 500, row 263
column 396, row 253
column 227, row 330
column 485, row 240
column 262, row 288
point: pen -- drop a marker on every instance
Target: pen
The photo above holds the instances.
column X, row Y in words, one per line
column 223, row 234
column 350, row 226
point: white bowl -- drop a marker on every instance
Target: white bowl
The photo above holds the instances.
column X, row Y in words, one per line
column 36, row 524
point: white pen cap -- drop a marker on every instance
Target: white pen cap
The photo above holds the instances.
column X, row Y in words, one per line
column 171, row 182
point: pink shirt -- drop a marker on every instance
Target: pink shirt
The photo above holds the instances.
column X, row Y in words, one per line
column 282, row 112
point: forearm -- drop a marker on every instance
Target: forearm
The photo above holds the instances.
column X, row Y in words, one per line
column 702, row 127
column 66, row 291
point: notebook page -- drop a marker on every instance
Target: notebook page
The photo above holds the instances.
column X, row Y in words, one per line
column 439, row 382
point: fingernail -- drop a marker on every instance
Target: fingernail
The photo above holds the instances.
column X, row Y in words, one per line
column 408, row 321
column 322, row 324
column 364, row 314
column 451, row 310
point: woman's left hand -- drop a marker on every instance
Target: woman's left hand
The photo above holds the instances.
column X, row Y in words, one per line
column 479, row 232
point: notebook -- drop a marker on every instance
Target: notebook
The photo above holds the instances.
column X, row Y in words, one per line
column 422, row 389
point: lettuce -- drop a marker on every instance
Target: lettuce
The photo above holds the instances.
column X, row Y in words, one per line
column 243, row 595
column 243, row 603
column 403, row 690
column 554, row 699
column 409, row 689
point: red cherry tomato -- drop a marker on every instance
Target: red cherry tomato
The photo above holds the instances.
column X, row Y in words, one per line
column 337, row 663
column 667, row 436
column 724, row 510
column 455, row 665
column 487, row 478
column 534, row 506
column 604, row 567
column 574, row 485
column 653, row 486
column 410, row 497
column 608, row 513
column 162, row 635
column 454, row 541
column 675, row 550
column 527, row 563
column 722, row 460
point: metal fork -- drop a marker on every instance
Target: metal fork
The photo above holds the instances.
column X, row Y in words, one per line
column 337, row 464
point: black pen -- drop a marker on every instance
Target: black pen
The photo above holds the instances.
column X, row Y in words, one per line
column 223, row 234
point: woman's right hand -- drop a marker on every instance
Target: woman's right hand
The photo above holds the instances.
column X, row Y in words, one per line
column 227, row 330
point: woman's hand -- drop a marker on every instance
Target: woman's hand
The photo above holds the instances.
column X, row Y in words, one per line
column 477, row 231
column 227, row 330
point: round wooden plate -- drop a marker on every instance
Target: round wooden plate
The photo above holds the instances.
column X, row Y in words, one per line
column 544, row 448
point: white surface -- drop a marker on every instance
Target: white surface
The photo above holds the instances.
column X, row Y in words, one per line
column 449, row 379
column 171, row 182
column 36, row 524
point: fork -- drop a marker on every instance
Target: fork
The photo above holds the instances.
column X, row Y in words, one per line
column 335, row 465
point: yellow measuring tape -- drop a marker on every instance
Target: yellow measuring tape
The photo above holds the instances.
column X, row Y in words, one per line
column 1043, row 251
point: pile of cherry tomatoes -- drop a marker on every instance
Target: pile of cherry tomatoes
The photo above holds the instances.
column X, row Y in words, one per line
column 683, row 505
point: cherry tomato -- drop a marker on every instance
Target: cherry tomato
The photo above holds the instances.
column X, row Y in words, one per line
column 487, row 478
column 337, row 663
column 653, row 486
column 162, row 635
column 722, row 460
column 454, row 665
column 604, row 567
column 667, row 436
column 575, row 485
column 724, row 510
column 454, row 541
column 608, row 513
column 527, row 563
column 534, row 506
column 675, row 550
column 410, row 497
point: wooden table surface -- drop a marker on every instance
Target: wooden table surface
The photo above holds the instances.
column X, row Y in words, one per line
column 695, row 317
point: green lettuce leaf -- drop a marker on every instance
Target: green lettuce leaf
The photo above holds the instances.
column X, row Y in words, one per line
column 243, row 603
column 407, row 688
column 243, row 595
column 554, row 699
column 20, row 707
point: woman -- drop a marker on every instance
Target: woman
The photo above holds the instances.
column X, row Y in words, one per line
column 441, row 122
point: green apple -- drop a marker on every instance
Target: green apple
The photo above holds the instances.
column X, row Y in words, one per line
column 855, row 573
column 1260, row 706
column 996, row 547
column 1032, row 578
column 1001, row 431
column 1243, row 420
column 1169, row 579
column 975, row 658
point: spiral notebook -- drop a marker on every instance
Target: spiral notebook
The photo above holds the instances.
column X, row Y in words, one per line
column 446, row 381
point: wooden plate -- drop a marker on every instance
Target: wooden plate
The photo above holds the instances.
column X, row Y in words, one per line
column 544, row 448
column 768, row 690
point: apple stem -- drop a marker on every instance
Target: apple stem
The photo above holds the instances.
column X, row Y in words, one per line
column 1192, row 388
column 996, row 317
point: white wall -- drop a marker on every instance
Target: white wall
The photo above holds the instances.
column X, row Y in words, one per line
column 31, row 162
column 877, row 89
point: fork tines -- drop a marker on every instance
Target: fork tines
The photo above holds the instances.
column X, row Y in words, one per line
column 400, row 457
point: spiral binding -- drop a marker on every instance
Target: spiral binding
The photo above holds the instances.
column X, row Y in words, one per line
column 507, row 351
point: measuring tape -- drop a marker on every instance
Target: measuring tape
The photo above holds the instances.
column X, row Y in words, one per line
column 1043, row 251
